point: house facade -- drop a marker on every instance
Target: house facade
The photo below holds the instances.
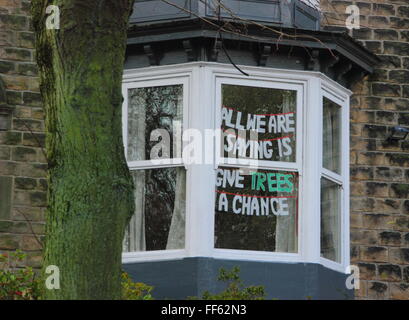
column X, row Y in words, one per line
column 299, row 172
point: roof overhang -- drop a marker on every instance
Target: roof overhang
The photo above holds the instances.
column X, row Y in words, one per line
column 335, row 54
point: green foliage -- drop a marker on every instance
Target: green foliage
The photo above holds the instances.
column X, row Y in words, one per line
column 235, row 289
column 135, row 290
column 21, row 283
column 17, row 283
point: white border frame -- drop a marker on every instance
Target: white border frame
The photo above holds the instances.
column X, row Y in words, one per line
column 145, row 81
column 180, row 79
column 262, row 83
column 343, row 101
column 220, row 78
column 202, row 114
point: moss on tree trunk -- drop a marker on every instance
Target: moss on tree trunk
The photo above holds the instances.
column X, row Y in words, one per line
column 90, row 192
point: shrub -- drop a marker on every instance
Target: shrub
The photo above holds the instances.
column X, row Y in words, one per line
column 21, row 283
column 17, row 283
column 135, row 290
column 235, row 289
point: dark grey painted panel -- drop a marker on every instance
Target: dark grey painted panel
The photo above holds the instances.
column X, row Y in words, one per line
column 6, row 186
column 286, row 62
column 267, row 11
column 178, row 279
column 330, row 286
column 173, row 57
column 156, row 10
column 275, row 12
column 136, row 61
column 305, row 17
column 239, row 57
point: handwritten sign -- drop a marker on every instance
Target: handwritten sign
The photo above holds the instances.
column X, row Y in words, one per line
column 257, row 209
column 264, row 148
column 258, row 123
column 256, row 194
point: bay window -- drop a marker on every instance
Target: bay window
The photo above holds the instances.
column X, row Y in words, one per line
column 276, row 185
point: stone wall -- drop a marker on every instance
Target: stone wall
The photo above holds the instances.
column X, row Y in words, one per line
column 379, row 169
column 22, row 160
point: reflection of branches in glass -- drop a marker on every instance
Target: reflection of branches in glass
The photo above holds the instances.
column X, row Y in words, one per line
column 163, row 104
column 159, row 203
column 245, row 232
column 330, row 220
column 251, row 101
column 255, row 100
column 154, row 108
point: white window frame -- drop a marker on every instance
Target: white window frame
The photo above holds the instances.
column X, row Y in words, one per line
column 146, row 81
column 260, row 83
column 203, row 112
column 221, row 78
column 330, row 92
column 183, row 80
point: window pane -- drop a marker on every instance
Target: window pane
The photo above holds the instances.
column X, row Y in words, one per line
column 256, row 210
column 330, row 220
column 159, row 219
column 332, row 136
column 269, row 112
column 151, row 109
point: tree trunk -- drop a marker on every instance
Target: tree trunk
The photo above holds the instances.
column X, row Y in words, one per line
column 90, row 190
